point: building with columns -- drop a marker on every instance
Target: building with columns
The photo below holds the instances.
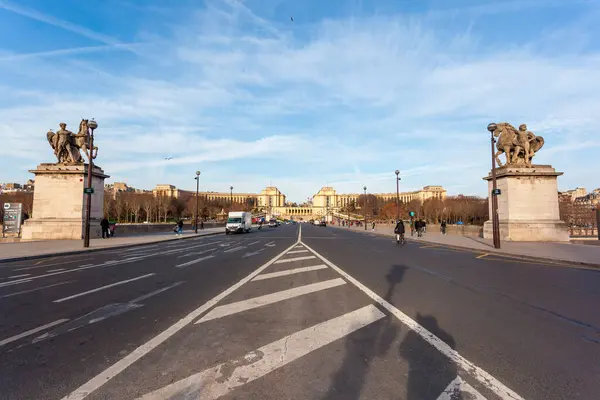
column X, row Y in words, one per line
column 272, row 202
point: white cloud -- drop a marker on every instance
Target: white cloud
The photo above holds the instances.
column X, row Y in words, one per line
column 358, row 97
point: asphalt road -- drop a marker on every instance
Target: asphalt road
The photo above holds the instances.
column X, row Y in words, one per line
column 284, row 313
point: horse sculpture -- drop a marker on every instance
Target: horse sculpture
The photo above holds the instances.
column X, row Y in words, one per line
column 66, row 145
column 519, row 146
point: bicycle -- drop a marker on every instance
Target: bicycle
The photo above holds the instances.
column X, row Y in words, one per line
column 400, row 238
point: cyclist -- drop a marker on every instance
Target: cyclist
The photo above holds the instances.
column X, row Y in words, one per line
column 399, row 231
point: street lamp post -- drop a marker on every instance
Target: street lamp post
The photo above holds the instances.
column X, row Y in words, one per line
column 397, row 196
column 197, row 190
column 365, row 189
column 91, row 154
column 231, row 197
column 495, row 221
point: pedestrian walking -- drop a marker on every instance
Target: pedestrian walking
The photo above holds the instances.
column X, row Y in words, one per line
column 373, row 226
column 443, row 227
column 201, row 225
column 180, row 227
column 104, row 225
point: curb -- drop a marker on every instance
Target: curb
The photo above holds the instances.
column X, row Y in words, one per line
column 554, row 261
column 84, row 251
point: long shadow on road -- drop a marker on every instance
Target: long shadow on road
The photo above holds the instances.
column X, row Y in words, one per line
column 429, row 371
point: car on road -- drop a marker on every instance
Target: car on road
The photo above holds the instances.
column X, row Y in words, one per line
column 238, row 221
column 273, row 223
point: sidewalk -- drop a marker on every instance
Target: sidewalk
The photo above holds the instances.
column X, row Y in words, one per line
column 568, row 252
column 27, row 250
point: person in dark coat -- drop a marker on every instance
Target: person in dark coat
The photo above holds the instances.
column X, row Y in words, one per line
column 399, row 231
column 104, row 225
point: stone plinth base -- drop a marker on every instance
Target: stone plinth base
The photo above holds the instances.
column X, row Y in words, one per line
column 527, row 205
column 46, row 229
column 533, row 231
column 59, row 202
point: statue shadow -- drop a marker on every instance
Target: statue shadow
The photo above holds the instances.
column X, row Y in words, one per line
column 429, row 371
column 364, row 346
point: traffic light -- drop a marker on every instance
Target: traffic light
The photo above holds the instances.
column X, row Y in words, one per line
column 411, row 213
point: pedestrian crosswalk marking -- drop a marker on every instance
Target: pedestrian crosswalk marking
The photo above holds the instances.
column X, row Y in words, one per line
column 223, row 378
column 289, row 272
column 456, row 388
column 244, row 305
column 287, row 260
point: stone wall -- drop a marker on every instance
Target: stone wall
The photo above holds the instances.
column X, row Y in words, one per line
column 133, row 229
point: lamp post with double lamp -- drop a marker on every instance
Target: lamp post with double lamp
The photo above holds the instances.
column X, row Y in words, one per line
column 231, row 197
column 495, row 221
column 91, row 154
column 397, row 172
column 365, row 189
column 197, row 178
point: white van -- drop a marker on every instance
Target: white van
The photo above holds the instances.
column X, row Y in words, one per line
column 238, row 221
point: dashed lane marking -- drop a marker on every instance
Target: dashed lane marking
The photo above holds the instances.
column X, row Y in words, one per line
column 31, row 332
column 186, row 264
column 103, row 288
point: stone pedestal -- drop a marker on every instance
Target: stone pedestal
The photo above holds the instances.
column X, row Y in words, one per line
column 59, row 202
column 527, row 205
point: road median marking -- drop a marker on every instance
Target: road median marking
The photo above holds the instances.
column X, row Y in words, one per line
column 487, row 380
column 102, row 378
column 186, row 264
column 288, row 260
column 217, row 381
column 483, row 255
column 456, row 388
column 289, row 272
column 260, row 301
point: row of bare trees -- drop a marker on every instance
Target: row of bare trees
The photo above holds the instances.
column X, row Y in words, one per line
column 577, row 215
column 465, row 209
column 130, row 207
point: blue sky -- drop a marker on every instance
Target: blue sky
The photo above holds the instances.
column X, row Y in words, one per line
column 344, row 95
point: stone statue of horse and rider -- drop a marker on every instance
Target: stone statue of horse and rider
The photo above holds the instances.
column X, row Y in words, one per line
column 67, row 145
column 519, row 146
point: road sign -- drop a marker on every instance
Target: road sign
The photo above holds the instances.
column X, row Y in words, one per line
column 496, row 192
column 88, row 190
column 13, row 213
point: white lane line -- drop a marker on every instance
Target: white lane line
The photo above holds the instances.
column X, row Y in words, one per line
column 18, row 276
column 289, row 272
column 102, row 378
column 234, row 249
column 195, row 253
column 147, row 296
column 270, row 244
column 35, row 290
column 493, row 384
column 297, row 251
column 17, row 282
column 287, row 260
column 193, row 261
column 102, row 288
column 456, row 388
column 250, row 244
column 249, row 304
column 55, row 270
column 31, row 331
column 46, row 265
column 217, row 381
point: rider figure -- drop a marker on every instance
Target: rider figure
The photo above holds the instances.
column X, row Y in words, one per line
column 64, row 140
column 399, row 231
